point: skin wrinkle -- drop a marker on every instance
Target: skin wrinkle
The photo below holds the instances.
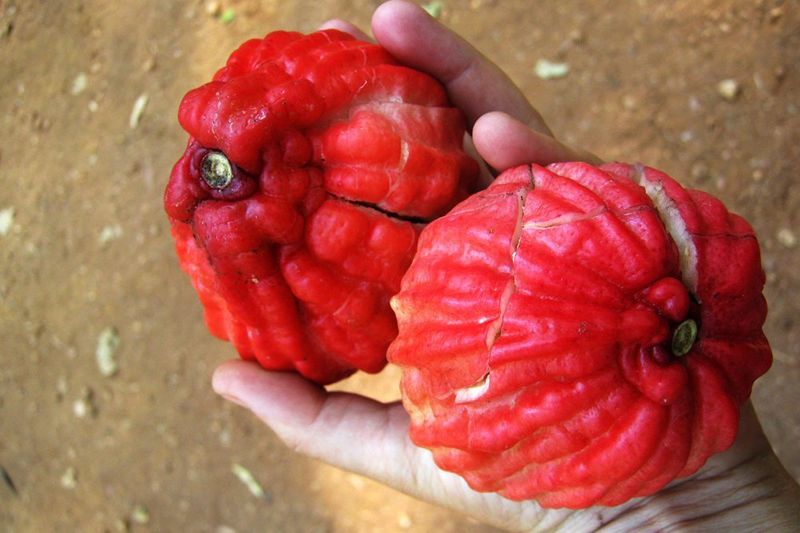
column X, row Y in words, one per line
column 614, row 425
column 689, row 524
column 657, row 512
column 642, row 465
column 525, row 467
column 449, row 487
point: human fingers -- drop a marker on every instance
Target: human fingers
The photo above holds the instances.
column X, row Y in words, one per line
column 320, row 424
column 363, row 436
column 475, row 84
column 343, row 25
column 504, row 142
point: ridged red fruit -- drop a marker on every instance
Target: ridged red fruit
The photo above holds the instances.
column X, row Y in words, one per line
column 313, row 163
column 580, row 335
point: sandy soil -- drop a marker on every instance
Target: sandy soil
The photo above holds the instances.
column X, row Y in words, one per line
column 84, row 243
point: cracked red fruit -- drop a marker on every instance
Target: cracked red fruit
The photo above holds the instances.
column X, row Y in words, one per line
column 313, row 162
column 580, row 335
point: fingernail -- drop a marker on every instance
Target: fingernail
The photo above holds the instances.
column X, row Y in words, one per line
column 232, row 398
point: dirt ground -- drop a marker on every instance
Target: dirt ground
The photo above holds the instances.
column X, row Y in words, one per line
column 84, row 242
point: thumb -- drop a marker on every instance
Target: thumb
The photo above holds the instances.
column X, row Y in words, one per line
column 505, row 142
column 346, row 430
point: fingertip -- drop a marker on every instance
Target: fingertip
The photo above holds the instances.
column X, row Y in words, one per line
column 277, row 398
column 488, row 122
column 389, row 10
column 505, row 142
column 226, row 375
column 501, row 140
column 346, row 27
column 229, row 378
column 396, row 15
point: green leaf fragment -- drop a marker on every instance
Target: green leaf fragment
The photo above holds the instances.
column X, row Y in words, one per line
column 140, row 515
column 434, row 9
column 227, row 16
column 549, row 70
column 107, row 344
column 247, row 478
column 138, row 110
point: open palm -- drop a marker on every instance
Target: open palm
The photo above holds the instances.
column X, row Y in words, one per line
column 745, row 485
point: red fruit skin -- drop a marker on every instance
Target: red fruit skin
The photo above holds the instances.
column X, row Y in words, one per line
column 535, row 330
column 339, row 157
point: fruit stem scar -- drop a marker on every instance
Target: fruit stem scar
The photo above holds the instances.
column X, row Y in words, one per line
column 216, row 170
column 683, row 338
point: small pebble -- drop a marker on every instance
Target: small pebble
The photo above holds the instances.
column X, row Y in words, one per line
column 576, row 36
column 81, row 408
column 758, row 81
column 6, row 220
column 84, row 406
column 729, row 89
column 110, row 233
column 787, row 238
column 61, row 387
column 139, row 515
column 213, row 8
column 79, row 84
column 699, row 171
column 69, row 479
column 775, row 13
column 404, row 521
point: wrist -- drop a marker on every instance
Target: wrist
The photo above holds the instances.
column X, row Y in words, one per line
column 745, row 488
column 755, row 494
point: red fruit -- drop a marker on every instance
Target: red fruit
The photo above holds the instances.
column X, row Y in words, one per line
column 312, row 165
column 580, row 335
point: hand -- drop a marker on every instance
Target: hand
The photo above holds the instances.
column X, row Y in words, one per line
column 745, row 485
column 506, row 129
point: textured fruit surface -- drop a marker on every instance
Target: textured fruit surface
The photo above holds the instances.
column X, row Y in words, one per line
column 313, row 162
column 580, row 335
